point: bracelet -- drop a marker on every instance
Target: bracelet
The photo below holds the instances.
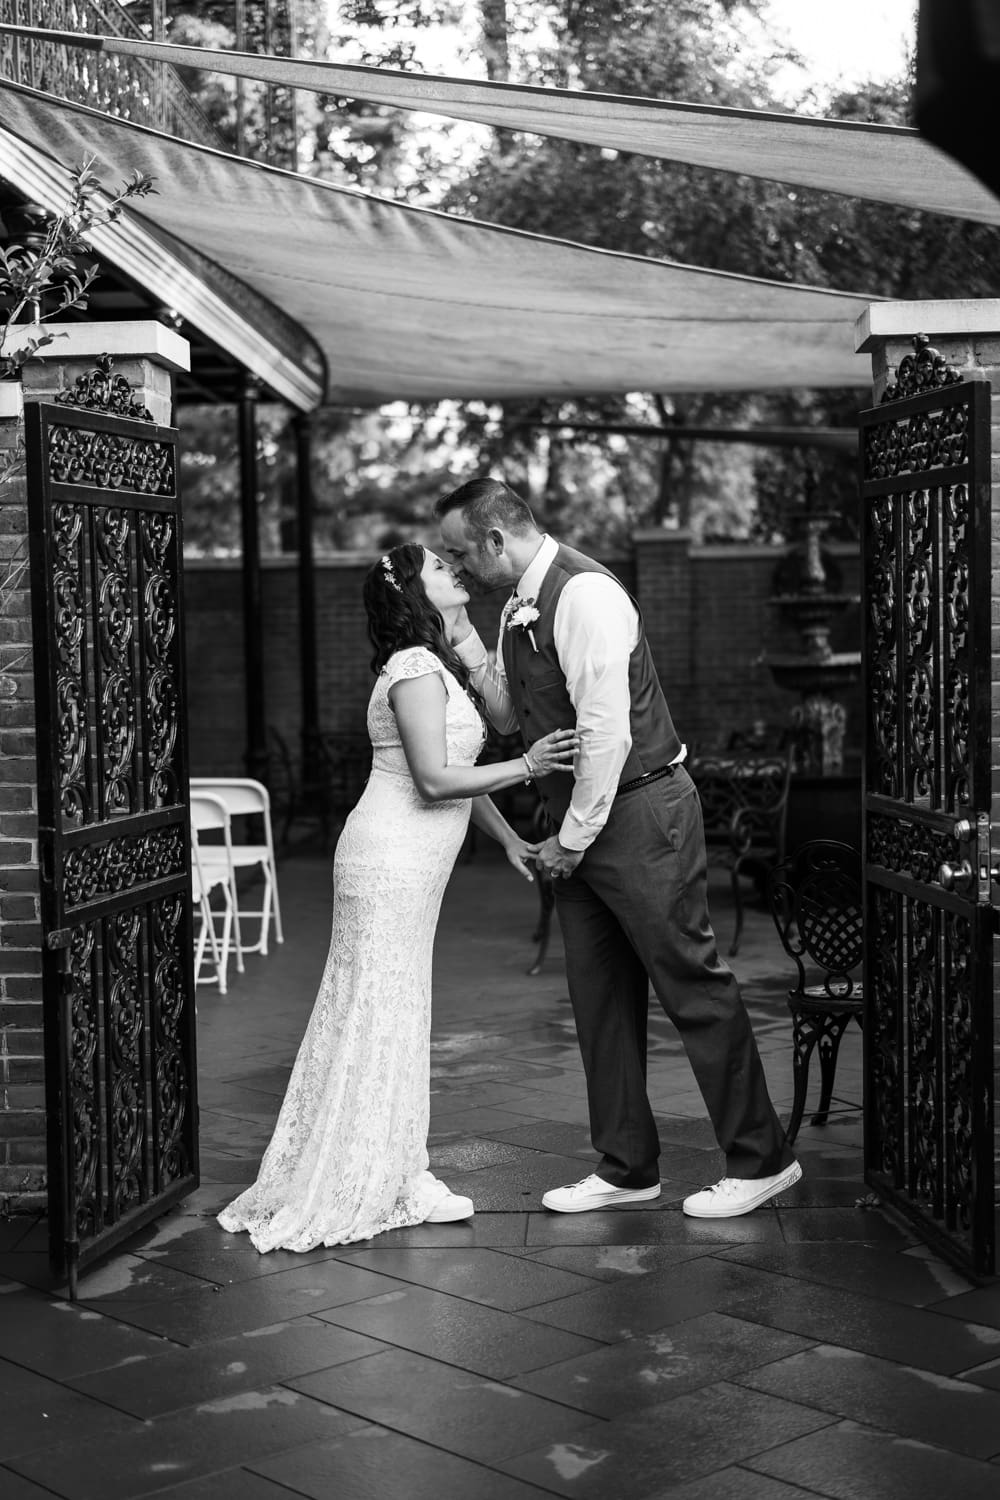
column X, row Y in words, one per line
column 527, row 766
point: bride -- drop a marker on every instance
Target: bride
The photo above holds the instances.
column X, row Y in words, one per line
column 348, row 1158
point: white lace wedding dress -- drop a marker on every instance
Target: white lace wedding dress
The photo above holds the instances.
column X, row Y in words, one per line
column 348, row 1158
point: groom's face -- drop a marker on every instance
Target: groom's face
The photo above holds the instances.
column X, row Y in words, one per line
column 482, row 564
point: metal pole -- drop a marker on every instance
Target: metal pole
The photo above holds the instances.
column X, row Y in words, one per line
column 241, row 106
column 253, row 625
column 308, row 653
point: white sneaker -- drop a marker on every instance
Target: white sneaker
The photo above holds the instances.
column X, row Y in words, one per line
column 449, row 1208
column 594, row 1192
column 738, row 1195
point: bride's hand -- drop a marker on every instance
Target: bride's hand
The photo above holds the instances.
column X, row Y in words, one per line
column 522, row 856
column 459, row 627
column 553, row 752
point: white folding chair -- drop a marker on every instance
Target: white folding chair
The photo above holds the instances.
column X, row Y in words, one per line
column 203, row 884
column 217, row 868
column 244, row 797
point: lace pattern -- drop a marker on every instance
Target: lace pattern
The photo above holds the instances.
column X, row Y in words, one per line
column 348, row 1158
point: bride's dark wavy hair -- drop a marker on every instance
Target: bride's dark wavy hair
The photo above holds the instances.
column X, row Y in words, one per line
column 400, row 613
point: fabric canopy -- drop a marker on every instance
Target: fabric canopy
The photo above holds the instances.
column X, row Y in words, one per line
column 885, row 163
column 411, row 304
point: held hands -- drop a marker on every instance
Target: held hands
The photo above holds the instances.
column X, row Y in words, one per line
column 555, row 861
column 522, row 856
column 553, row 752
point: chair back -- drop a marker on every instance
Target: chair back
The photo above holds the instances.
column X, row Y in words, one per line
column 241, row 794
column 816, row 902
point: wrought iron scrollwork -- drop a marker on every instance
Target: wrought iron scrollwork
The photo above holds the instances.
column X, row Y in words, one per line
column 121, row 863
column 926, row 369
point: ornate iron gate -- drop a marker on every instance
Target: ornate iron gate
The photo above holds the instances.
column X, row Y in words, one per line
column 104, row 519
column 925, row 460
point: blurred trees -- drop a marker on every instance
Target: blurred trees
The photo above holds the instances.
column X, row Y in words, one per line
column 378, row 473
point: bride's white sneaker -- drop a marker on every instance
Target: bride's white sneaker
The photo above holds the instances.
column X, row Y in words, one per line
column 594, row 1192
column 449, row 1208
column 738, row 1195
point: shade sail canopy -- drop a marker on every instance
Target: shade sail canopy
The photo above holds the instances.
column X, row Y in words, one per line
column 408, row 303
column 888, row 164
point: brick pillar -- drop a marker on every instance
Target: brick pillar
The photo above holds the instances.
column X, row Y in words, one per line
column 663, row 580
column 146, row 354
column 967, row 335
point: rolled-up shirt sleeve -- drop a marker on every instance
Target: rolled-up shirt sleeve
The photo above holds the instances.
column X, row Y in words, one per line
column 490, row 681
column 596, row 628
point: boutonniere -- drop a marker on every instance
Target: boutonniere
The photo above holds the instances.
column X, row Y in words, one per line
column 523, row 616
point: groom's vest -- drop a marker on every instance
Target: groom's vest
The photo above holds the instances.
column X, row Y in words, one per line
column 538, row 687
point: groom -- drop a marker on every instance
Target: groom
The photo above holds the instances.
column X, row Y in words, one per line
column 627, row 856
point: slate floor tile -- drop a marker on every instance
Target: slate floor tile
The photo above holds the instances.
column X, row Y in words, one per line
column 484, row 1276
column 618, row 1310
column 979, row 1306
column 369, row 1464
column 666, row 1444
column 442, row 1405
column 133, row 1278
column 61, row 1340
column 216, row 1312
column 871, row 1325
column 16, row 1487
column 38, row 1411
column 850, row 1462
column 474, row 1121
column 199, row 1440
column 876, row 1270
column 557, row 1137
column 227, row 1259
column 485, row 1230
column 233, row 1484
column 571, row 1109
column 859, row 1387
column 518, row 1185
column 472, row 1155
column 733, row 1483
column 659, row 1366
column 210, row 1372
column 827, row 1225
column 481, row 1339
column 615, row 1262
column 627, row 1226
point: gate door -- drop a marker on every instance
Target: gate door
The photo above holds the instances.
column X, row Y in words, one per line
column 925, row 469
column 118, row 984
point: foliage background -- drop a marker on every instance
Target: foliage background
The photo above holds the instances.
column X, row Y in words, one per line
column 378, row 473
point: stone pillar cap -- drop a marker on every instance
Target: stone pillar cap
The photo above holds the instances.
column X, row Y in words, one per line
column 960, row 317
column 140, row 340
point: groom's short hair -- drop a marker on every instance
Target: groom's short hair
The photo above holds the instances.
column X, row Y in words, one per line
column 486, row 503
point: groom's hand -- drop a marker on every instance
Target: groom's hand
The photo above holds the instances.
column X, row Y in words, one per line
column 557, row 861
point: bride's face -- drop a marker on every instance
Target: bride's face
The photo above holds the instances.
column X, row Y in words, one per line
column 442, row 588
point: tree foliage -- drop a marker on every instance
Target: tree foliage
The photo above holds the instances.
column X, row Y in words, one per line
column 378, row 473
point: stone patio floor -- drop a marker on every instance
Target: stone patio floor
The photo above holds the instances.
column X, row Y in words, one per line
column 811, row 1348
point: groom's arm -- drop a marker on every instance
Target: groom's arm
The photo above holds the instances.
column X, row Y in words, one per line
column 596, row 628
column 489, row 680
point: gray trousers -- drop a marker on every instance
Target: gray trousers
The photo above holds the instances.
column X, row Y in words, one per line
column 635, row 913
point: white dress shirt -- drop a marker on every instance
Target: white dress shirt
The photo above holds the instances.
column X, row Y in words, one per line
column 596, row 629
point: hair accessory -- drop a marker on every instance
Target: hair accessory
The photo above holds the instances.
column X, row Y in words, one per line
column 390, row 576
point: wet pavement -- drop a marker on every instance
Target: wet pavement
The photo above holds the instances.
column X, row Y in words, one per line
column 810, row 1348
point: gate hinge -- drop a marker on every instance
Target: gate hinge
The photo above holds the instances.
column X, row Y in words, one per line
column 59, row 941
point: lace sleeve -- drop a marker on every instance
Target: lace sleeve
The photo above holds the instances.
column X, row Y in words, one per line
column 414, row 661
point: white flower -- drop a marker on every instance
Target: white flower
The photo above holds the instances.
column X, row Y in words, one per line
column 523, row 615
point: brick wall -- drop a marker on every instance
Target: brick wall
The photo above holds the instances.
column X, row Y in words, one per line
column 22, row 1093
column 706, row 612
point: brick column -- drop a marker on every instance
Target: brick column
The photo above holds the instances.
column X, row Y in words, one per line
column 146, row 354
column 967, row 335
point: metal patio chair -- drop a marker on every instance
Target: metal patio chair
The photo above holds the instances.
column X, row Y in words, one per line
column 815, row 899
column 211, row 831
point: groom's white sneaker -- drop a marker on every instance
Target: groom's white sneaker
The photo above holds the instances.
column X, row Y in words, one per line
column 738, row 1195
column 449, row 1208
column 594, row 1192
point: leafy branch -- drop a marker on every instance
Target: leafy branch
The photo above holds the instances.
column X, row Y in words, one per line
column 29, row 271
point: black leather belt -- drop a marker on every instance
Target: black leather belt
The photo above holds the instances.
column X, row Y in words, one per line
column 632, row 786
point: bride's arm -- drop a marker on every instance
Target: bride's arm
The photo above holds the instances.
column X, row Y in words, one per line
column 488, row 817
column 420, row 704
